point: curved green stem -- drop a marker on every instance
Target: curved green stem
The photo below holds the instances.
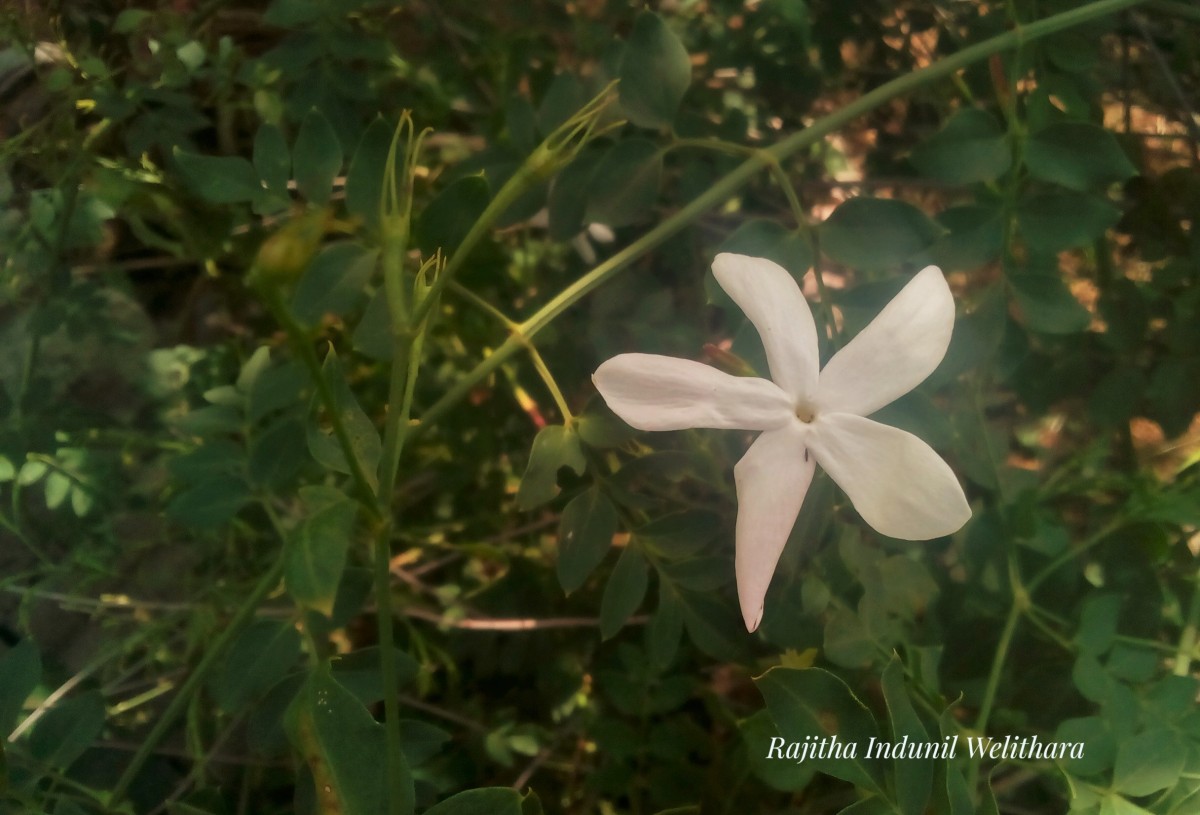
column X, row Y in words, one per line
column 723, row 189
column 1070, row 554
column 514, row 327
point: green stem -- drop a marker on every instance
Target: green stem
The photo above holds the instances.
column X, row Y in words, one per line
column 1072, row 553
column 302, row 345
column 516, row 186
column 1187, row 640
column 993, row 684
column 723, row 189
column 539, row 364
column 400, row 795
column 198, row 675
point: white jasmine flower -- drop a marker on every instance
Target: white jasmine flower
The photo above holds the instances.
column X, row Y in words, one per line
column 808, row 415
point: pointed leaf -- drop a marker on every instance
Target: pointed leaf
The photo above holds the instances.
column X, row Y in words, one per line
column 655, row 73
column 67, row 730
column 1078, row 156
column 625, row 184
column 317, row 158
column 364, row 179
column 914, row 776
column 482, row 801
column 585, row 536
column 554, row 447
column 624, row 591
column 342, row 745
column 447, row 219
column 219, row 179
column 365, row 445
column 812, row 702
column 20, row 672
column 970, row 147
column 316, row 553
column 272, row 159
column 258, row 658
column 877, row 233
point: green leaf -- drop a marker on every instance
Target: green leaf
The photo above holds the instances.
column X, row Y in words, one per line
column 317, row 157
column 1051, row 222
column 219, row 179
column 519, row 119
column 447, row 219
column 812, row 702
column 588, row 524
column 711, row 624
column 563, row 98
column 363, row 437
column 210, row 503
column 759, row 734
column 373, row 335
column 768, row 239
column 655, row 73
column 847, row 641
column 868, row 806
column 364, row 179
column 554, row 447
column 665, row 627
column 361, row 672
column 975, row 238
column 914, row 776
column 624, row 591
column 1047, row 304
column 970, row 147
column 1098, row 624
column 600, row 429
column 877, row 233
column 272, row 159
column 334, row 282
column 253, row 368
column 258, row 658
column 316, row 551
column 20, row 672
column 1149, row 762
column 275, row 388
column 482, row 801
column 1078, row 156
column 625, row 184
column 277, row 452
column 680, row 534
column 421, row 741
column 568, row 200
column 1099, row 746
column 1114, row 804
column 67, row 730
column 342, row 745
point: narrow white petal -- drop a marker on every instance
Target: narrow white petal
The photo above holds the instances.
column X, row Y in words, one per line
column 898, row 484
column 772, row 300
column 653, row 392
column 895, row 353
column 772, row 479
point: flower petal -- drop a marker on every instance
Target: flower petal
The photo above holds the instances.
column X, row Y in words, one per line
column 772, row 300
column 895, row 353
column 772, row 479
column 653, row 392
column 898, row 484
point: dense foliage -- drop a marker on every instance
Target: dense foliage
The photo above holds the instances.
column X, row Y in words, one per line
column 309, row 503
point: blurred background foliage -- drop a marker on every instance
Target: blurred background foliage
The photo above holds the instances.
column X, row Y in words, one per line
column 566, row 619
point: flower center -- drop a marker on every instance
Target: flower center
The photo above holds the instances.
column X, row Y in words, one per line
column 805, row 413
